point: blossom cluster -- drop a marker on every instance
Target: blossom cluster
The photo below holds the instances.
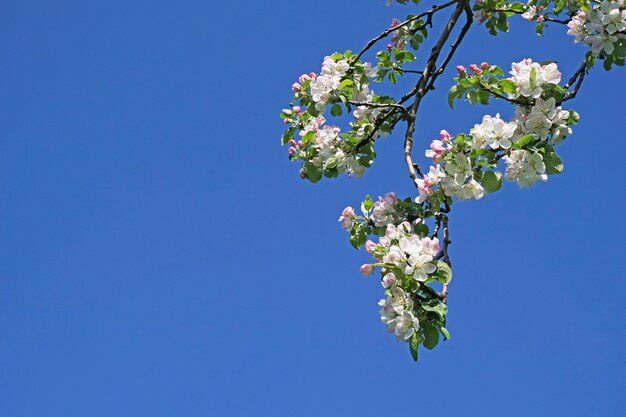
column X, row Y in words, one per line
column 601, row 28
column 407, row 262
column 322, row 148
column 523, row 142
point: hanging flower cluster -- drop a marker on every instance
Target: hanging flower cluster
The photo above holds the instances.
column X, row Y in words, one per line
column 408, row 260
column 603, row 27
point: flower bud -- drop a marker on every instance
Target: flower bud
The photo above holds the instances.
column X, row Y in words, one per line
column 296, row 109
column 366, row 269
column 370, row 246
column 295, row 86
column 540, row 19
column 444, row 136
column 292, row 142
column 460, row 69
column 389, row 47
column 300, row 144
column 475, row 69
column 484, row 65
column 291, row 150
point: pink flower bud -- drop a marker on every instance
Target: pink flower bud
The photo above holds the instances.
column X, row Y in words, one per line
column 540, row 19
column 303, row 78
column 312, row 75
column 475, row 69
column 444, row 136
column 286, row 121
column 366, row 269
column 296, row 109
column 295, row 86
column 291, row 150
column 484, row 65
column 370, row 246
column 292, row 142
column 460, row 69
column 394, row 23
column 389, row 47
column 300, row 144
column 540, row 8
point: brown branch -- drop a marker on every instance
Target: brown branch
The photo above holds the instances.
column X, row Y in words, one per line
column 577, row 78
column 384, row 34
column 380, row 105
column 427, row 78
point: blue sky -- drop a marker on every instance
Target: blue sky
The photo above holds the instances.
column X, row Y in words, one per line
column 159, row 256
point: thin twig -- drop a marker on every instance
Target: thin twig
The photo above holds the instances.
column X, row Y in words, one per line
column 385, row 33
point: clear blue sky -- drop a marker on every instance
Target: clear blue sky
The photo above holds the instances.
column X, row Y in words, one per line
column 159, row 256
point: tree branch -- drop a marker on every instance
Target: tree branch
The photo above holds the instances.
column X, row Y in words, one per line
column 384, row 34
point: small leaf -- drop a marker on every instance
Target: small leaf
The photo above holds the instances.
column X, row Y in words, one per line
column 523, row 141
column 445, row 333
column 368, row 203
column 491, row 181
column 508, row 86
column 431, row 337
column 413, row 344
column 444, row 273
column 335, row 110
column 313, row 173
column 553, row 162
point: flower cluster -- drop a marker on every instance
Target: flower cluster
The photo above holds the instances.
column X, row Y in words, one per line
column 530, row 77
column 601, row 28
column 408, row 262
column 323, row 149
column 523, row 143
column 525, row 168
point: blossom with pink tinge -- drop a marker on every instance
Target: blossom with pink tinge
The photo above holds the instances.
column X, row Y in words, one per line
column 370, row 246
column 347, row 218
column 366, row 269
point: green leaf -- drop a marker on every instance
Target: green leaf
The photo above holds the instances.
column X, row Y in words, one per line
column 539, row 29
column 413, row 344
column 438, row 308
column 445, row 333
column 313, row 173
column 358, row 236
column 523, row 141
column 553, row 162
column 431, row 337
column 491, row 181
column 421, row 229
column 368, row 203
column 308, row 137
column 508, row 86
column 452, row 94
column 444, row 273
column 335, row 110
